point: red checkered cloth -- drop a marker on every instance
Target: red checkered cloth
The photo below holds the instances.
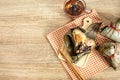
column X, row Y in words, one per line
column 95, row 63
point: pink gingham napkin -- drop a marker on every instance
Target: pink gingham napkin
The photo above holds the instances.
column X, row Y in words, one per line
column 96, row 62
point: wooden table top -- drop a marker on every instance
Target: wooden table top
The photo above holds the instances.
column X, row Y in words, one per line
column 25, row 53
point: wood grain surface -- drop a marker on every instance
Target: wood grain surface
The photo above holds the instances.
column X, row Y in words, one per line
column 25, row 53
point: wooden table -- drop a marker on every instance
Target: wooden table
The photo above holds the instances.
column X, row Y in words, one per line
column 25, row 53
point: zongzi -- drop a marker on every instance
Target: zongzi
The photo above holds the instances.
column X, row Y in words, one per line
column 112, row 31
column 111, row 52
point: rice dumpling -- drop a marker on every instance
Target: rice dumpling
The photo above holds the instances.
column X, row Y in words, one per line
column 111, row 52
column 77, row 44
column 112, row 31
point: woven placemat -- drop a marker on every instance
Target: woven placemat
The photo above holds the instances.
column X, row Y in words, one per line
column 95, row 62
